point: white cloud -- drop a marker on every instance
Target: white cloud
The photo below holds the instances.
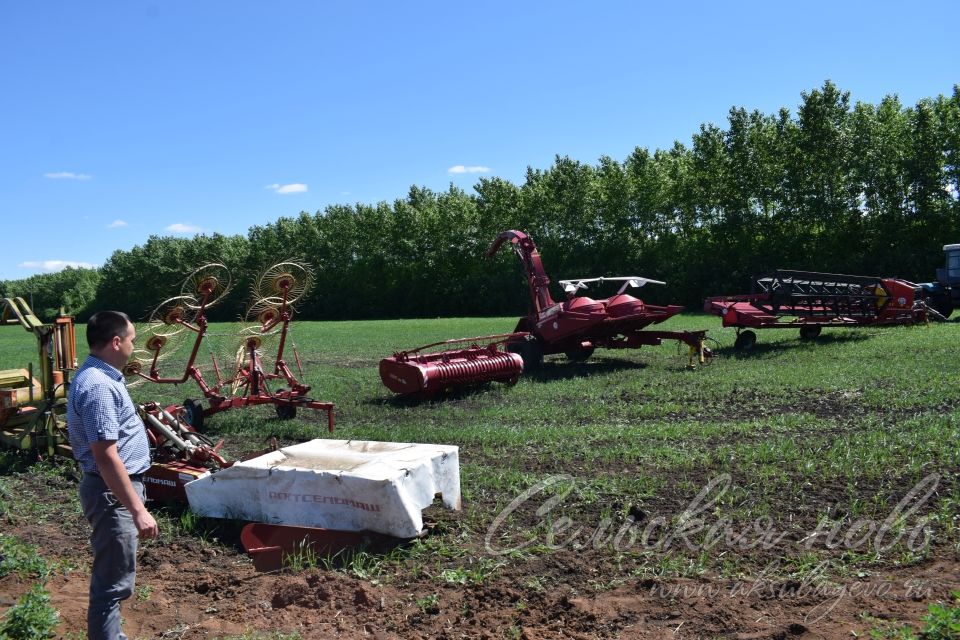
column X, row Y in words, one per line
column 116, row 224
column 49, row 266
column 462, row 169
column 285, row 189
column 67, row 175
column 179, row 227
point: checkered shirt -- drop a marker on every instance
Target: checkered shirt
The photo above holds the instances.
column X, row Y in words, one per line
column 99, row 408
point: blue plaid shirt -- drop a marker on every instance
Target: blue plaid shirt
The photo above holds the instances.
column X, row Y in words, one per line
column 99, row 408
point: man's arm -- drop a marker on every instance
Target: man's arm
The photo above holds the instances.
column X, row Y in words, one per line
column 111, row 469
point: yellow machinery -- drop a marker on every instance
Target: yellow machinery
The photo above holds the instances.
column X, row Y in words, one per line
column 32, row 412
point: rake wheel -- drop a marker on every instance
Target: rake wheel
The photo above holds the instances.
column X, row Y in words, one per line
column 290, row 280
column 211, row 281
column 265, row 312
column 263, row 343
column 139, row 359
column 167, row 318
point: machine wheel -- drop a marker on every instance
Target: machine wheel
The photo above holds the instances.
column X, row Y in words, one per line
column 810, row 332
column 942, row 305
column 194, row 411
column 745, row 340
column 580, row 354
column 530, row 351
column 286, row 411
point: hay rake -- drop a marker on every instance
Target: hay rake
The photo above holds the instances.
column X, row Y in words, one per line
column 249, row 382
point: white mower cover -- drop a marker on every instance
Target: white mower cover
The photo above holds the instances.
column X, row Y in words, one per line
column 346, row 485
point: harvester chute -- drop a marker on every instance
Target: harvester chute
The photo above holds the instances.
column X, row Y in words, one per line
column 580, row 324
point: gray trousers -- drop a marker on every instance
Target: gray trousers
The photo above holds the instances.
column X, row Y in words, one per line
column 114, row 543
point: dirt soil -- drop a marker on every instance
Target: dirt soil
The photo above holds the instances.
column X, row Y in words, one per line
column 198, row 593
column 206, row 587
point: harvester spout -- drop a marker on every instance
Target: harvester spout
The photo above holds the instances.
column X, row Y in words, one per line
column 537, row 278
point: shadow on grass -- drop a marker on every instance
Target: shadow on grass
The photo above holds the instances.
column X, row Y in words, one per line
column 437, row 397
column 561, row 369
column 549, row 371
column 191, row 528
column 184, row 527
column 761, row 349
column 13, row 461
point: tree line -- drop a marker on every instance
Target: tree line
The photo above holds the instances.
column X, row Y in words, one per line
column 860, row 188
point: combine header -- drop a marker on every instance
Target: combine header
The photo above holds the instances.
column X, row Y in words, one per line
column 578, row 325
column 811, row 301
column 414, row 372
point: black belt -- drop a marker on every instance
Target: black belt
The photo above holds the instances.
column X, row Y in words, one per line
column 134, row 477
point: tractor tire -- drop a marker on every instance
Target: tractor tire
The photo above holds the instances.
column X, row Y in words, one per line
column 745, row 340
column 942, row 305
column 194, row 413
column 580, row 354
column 810, row 332
column 286, row 411
column 530, row 352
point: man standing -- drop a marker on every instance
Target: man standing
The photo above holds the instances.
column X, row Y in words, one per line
column 110, row 443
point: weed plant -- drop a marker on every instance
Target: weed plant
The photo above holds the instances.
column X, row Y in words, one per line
column 32, row 617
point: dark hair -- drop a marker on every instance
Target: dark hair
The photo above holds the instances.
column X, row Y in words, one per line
column 103, row 326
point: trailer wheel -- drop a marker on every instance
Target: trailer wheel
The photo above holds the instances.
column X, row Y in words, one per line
column 809, row 332
column 745, row 340
column 194, row 411
column 530, row 352
column 286, row 411
column 580, row 354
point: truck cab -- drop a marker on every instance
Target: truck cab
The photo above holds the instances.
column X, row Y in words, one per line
column 950, row 275
column 944, row 294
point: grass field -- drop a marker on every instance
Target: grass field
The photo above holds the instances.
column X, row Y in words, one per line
column 839, row 455
column 847, row 421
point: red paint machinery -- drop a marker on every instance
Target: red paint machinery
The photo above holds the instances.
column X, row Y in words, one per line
column 249, row 382
column 579, row 324
column 811, row 301
column 180, row 454
column 417, row 371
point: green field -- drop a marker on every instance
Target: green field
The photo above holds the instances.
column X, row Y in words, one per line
column 805, row 436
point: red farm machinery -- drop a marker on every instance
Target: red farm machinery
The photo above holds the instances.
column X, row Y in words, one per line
column 810, row 301
column 580, row 324
column 247, row 382
column 574, row 327
column 475, row 360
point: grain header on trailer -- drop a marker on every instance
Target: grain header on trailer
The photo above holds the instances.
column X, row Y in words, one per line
column 810, row 301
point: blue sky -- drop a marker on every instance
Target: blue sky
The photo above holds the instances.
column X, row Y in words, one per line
column 121, row 120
